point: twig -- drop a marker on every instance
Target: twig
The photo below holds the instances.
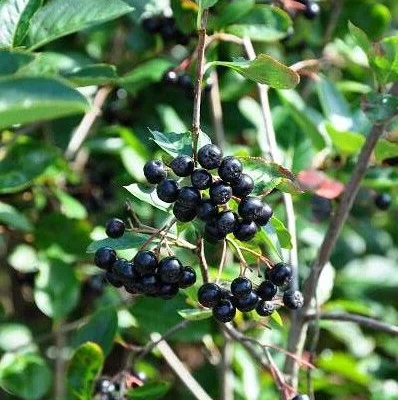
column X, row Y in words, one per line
column 222, row 260
column 216, row 109
column 59, row 387
column 204, row 268
column 146, row 230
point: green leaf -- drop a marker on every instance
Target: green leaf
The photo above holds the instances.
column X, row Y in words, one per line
column 282, row 233
column 361, row 38
column 24, row 258
column 14, row 337
column 69, row 206
column 275, row 316
column 268, row 236
column 25, row 375
column 149, row 391
column 195, row 314
column 95, row 74
column 13, row 218
column 100, row 329
column 381, row 107
column 264, row 69
column 26, row 100
column 12, row 61
column 263, row 23
column 62, row 17
column 148, row 195
column 84, row 367
column 15, row 16
column 127, row 241
column 234, row 12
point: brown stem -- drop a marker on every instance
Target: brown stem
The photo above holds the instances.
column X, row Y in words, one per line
column 204, row 268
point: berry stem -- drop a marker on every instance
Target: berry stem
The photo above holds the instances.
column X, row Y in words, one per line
column 222, row 260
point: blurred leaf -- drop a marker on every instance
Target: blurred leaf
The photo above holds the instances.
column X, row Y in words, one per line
column 95, row 74
column 385, row 63
column 15, row 337
column 185, row 16
column 174, row 143
column 325, row 286
column 149, row 391
column 247, row 369
column 128, row 241
column 381, row 107
column 12, row 61
column 234, row 12
column 148, row 195
column 24, row 258
column 70, row 207
column 27, row 100
column 59, row 18
column 84, row 367
column 25, row 375
column 195, row 314
column 12, row 217
column 361, row 38
column 275, row 316
column 282, row 233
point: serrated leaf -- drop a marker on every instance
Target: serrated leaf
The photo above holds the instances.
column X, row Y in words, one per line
column 195, row 314
column 128, row 241
column 149, row 391
column 148, row 194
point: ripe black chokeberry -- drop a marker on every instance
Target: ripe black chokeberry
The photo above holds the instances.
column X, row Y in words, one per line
column 281, row 274
column 105, row 257
column 168, row 190
column 267, row 290
column 206, row 210
column 209, row 294
column 124, row 270
column 312, row 10
column 265, row 308
column 170, row 270
column 245, row 231
column 247, row 303
column 134, row 287
column 182, row 165
column 224, row 311
column 201, row 179
column 211, row 231
column 154, row 171
column 150, row 283
column 301, row 397
column 383, row 201
column 264, row 215
column 168, row 28
column 152, row 24
column 241, row 287
column 184, row 213
column 243, row 186
column 167, row 290
column 187, row 278
column 249, row 208
column 170, row 77
column 145, row 262
column 189, row 196
column 226, row 222
column 185, row 81
column 220, row 192
column 293, row 299
column 230, row 169
column 113, row 279
column 209, row 156
column 115, row 228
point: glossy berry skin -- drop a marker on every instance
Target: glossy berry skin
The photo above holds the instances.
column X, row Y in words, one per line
column 105, row 257
column 293, row 299
column 145, row 262
column 230, row 169
column 154, row 171
column 243, row 186
column 383, row 201
column 312, row 10
column 201, row 179
column 281, row 274
column 184, row 213
column 241, row 287
column 210, row 156
column 150, row 283
column 170, row 270
column 265, row 308
column 134, row 287
column 220, row 192
column 167, row 291
column 124, row 270
column 182, row 165
column 189, row 196
column 170, row 77
column 267, row 290
column 187, row 278
column 168, row 190
column 301, row 397
column 211, row 232
column 209, row 295
column 226, row 222
column 115, row 228
column 264, row 215
column 224, row 311
column 113, row 279
column 249, row 208
column 206, row 210
column 248, row 303
column 245, row 231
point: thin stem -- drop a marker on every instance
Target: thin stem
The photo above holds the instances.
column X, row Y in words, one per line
column 60, row 343
column 146, row 230
column 222, row 260
column 216, row 109
column 204, row 268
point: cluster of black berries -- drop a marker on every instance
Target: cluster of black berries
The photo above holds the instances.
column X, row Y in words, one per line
column 105, row 389
column 244, row 297
column 311, row 10
column 188, row 201
column 184, row 81
column 166, row 27
column 383, row 201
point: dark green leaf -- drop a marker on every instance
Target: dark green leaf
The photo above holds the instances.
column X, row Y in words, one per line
column 361, row 38
column 195, row 314
column 12, row 61
column 150, row 391
column 127, row 241
column 96, row 74
column 234, row 12
column 13, row 218
column 381, row 107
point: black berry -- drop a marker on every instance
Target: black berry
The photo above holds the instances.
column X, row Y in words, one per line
column 241, row 287
column 312, row 10
column 145, row 262
column 212, row 233
column 124, row 270
column 201, row 179
column 209, row 294
column 152, row 24
column 281, row 274
column 170, row 77
column 170, row 270
column 250, row 208
column 383, row 201
column 167, row 291
column 185, row 81
column 245, row 231
column 209, row 156
column 247, row 303
column 243, row 186
column 168, row 190
column 168, row 28
column 150, row 283
column 189, row 196
column 105, row 257
column 182, row 165
column 184, row 213
column 113, row 279
column 154, row 171
column 265, row 308
column 206, row 210
column 187, row 278
column 264, row 215
column 134, row 287
column 226, row 222
column 224, row 311
column 293, row 299
column 230, row 169
column 267, row 290
column 220, row 192
column 115, row 228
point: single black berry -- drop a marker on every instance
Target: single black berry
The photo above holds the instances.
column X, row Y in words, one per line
column 206, row 210
column 185, row 81
column 293, row 299
column 249, row 208
column 170, row 270
column 301, row 397
column 227, row 295
column 182, row 165
column 168, row 28
column 167, row 290
column 115, row 228
column 224, row 311
column 247, row 303
column 105, row 257
column 241, row 287
column 187, row 278
column 170, row 77
column 168, row 190
column 243, row 186
column 312, row 10
column 145, row 262
column 182, row 39
column 212, row 233
column 226, row 222
column 267, row 290
column 189, row 196
column 209, row 156
column 150, row 283
column 281, row 274
column 245, row 231
column 201, row 179
column 124, row 270
column 265, row 308
column 184, row 213
column 230, row 169
column 152, row 24
column 154, row 171
column 220, row 192
column 383, row 201
column 113, row 279
column 264, row 215
column 209, row 294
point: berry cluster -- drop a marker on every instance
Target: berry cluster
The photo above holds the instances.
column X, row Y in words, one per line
column 244, row 297
column 184, row 81
column 311, row 10
column 214, row 211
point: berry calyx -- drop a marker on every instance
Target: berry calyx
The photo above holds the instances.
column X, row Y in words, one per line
column 243, row 186
column 187, row 278
column 154, row 171
column 241, row 287
column 206, row 210
column 224, row 311
column 265, row 308
column 105, row 257
column 280, row 274
column 115, row 228
column 209, row 295
column 267, row 290
column 293, row 299
column 168, row 190
column 182, row 165
column 264, row 215
column 145, row 262
column 226, row 222
column 201, row 179
column 247, row 303
column 220, row 192
column 250, row 208
column 383, row 201
column 209, row 156
column 245, row 231
column 170, row 270
column 230, row 169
